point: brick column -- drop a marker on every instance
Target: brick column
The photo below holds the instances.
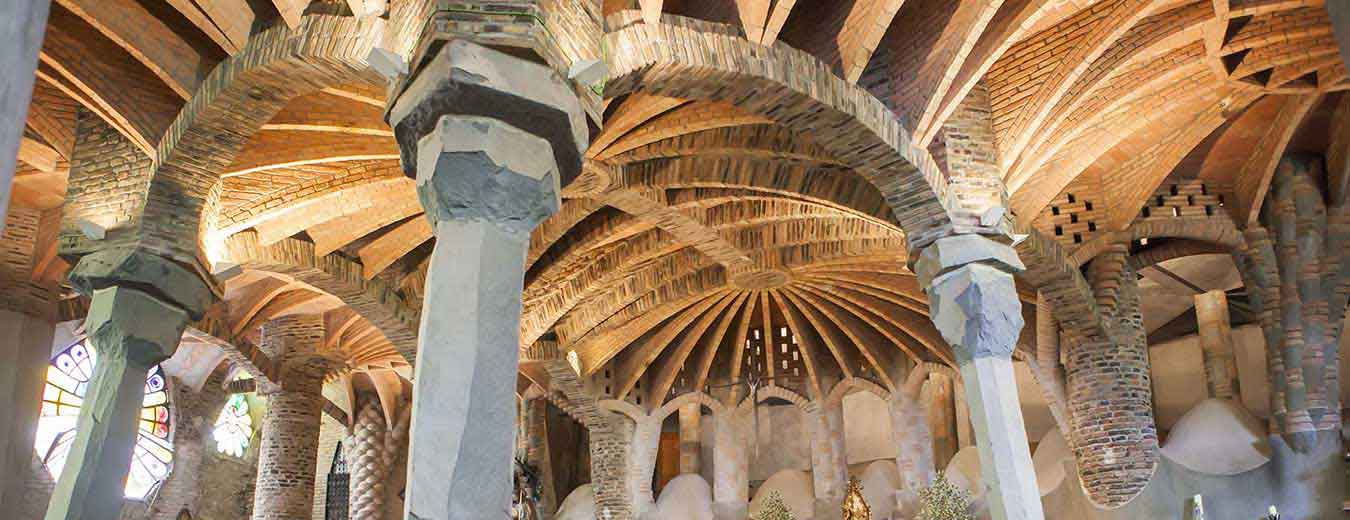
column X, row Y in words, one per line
column 489, row 137
column 611, row 439
column 973, row 301
column 645, row 446
column 691, row 442
column 289, row 451
column 1295, row 268
column 21, row 32
column 1216, row 343
column 367, row 463
column 731, row 464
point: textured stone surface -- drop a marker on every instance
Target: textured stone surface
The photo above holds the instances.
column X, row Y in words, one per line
column 25, row 352
column 21, row 37
column 463, row 403
column 466, row 79
column 131, row 331
column 977, row 311
column 161, row 277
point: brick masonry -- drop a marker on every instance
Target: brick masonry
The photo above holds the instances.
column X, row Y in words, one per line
column 288, row 453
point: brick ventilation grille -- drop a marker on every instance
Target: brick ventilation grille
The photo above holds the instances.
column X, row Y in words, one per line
column 1188, row 198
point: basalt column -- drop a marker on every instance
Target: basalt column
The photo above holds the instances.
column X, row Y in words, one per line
column 973, row 301
column 21, row 31
column 489, row 137
column 289, row 451
column 1294, row 265
column 731, row 464
column 691, row 443
column 828, row 473
column 1216, row 343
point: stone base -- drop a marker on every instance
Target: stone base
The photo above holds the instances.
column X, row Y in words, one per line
column 731, row 510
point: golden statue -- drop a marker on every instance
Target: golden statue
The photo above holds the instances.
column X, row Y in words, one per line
column 855, row 508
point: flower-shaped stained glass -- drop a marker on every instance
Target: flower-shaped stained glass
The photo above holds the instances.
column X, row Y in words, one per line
column 234, row 427
column 67, row 382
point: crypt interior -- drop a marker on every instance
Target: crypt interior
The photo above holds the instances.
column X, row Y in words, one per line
column 673, row 259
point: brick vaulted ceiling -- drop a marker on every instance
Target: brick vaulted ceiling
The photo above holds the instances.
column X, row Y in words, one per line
column 703, row 239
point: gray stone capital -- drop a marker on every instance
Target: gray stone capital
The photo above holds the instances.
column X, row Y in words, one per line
column 977, row 310
column 482, row 169
column 158, row 277
column 953, row 252
column 125, row 323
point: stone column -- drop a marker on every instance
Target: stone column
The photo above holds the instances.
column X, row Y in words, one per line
column 1216, row 342
column 914, row 442
column 488, row 137
column 691, row 431
column 827, row 474
column 973, row 301
column 25, row 354
column 21, row 31
column 731, row 465
column 642, row 465
column 289, row 451
column 140, row 304
column 965, row 432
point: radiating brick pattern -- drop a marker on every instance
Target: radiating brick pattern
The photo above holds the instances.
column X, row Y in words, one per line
column 289, row 450
column 1294, row 265
column 1115, row 440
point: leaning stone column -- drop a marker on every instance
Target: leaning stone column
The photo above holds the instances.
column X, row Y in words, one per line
column 21, row 31
column 1216, row 343
column 731, row 464
column 289, row 451
column 691, row 442
column 140, row 304
column 489, row 137
column 973, row 301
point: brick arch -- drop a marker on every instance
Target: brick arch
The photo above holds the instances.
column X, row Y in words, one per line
column 1173, row 249
column 236, row 99
column 797, row 91
column 1218, row 231
column 626, row 408
column 374, row 299
column 699, row 397
column 801, row 402
column 843, row 388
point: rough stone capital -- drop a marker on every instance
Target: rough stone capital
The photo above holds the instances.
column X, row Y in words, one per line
column 125, row 323
column 953, row 252
column 151, row 274
column 469, row 80
column 479, row 168
column 977, row 310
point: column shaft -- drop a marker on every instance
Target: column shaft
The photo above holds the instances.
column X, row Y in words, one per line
column 827, row 475
column 289, row 451
column 25, row 353
column 731, row 465
column 367, row 463
column 973, row 302
column 131, row 332
column 691, row 443
column 21, row 31
column 914, row 448
column 1216, row 343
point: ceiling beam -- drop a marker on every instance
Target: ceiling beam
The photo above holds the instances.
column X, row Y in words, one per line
column 171, row 57
column 1257, row 172
column 641, row 353
column 718, row 339
column 806, row 340
column 292, row 11
column 777, row 19
column 106, row 76
column 226, row 22
column 38, row 155
column 1338, row 151
column 664, row 378
column 383, row 251
column 862, row 32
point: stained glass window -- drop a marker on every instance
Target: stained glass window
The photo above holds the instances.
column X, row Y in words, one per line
column 234, row 427
column 67, row 381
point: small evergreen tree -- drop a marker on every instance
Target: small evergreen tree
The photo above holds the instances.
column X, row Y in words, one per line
column 774, row 509
column 944, row 501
